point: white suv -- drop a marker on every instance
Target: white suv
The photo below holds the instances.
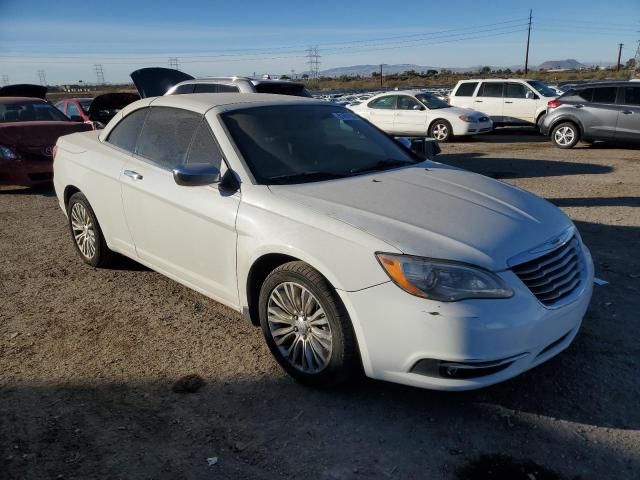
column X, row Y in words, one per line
column 511, row 101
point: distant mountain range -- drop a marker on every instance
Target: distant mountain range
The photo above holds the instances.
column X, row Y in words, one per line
column 367, row 70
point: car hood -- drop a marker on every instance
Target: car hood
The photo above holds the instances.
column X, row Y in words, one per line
column 433, row 210
column 24, row 90
column 36, row 134
column 457, row 111
column 156, row 81
column 105, row 106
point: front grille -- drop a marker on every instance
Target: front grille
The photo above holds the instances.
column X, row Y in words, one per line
column 555, row 275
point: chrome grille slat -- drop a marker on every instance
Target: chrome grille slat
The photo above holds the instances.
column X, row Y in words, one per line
column 555, row 275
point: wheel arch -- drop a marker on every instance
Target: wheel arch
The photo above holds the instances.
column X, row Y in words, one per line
column 567, row 119
column 437, row 120
column 69, row 190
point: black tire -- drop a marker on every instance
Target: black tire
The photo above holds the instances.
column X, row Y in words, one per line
column 344, row 359
column 438, row 127
column 565, row 135
column 100, row 255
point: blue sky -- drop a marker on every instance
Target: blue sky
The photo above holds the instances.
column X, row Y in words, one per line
column 66, row 38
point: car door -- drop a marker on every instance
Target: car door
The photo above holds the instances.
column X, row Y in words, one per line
column 599, row 112
column 628, row 126
column 411, row 116
column 517, row 108
column 489, row 100
column 185, row 232
column 381, row 112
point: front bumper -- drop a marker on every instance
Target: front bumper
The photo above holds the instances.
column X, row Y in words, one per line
column 473, row 128
column 397, row 332
column 26, row 172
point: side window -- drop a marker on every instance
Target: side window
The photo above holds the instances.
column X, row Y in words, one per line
column 632, row 96
column 214, row 88
column 60, row 106
column 204, row 148
column 166, row 135
column 466, row 89
column 515, row 90
column 407, row 103
column 72, row 110
column 388, row 102
column 586, row 94
column 125, row 133
column 182, row 89
column 490, row 89
column 605, row 94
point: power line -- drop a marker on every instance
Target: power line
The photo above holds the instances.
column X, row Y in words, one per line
column 99, row 73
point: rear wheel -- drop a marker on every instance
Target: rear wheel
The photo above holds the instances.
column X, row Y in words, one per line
column 441, row 130
column 565, row 135
column 86, row 233
column 306, row 326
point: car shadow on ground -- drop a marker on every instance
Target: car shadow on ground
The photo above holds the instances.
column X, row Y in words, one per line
column 46, row 190
column 519, row 167
column 507, row 135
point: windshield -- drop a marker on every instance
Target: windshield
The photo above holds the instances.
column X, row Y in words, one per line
column 543, row 88
column 289, row 144
column 30, row 111
column 431, row 101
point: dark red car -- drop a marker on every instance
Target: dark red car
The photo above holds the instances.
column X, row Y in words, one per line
column 29, row 129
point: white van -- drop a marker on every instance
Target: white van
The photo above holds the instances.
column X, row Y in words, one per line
column 512, row 101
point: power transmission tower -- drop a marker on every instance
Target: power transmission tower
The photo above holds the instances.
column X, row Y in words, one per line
column 380, row 75
column 526, row 56
column 99, row 73
column 173, row 63
column 5, row 79
column 619, row 55
column 313, row 60
column 42, row 77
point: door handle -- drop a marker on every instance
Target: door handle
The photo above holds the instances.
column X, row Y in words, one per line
column 478, row 101
column 507, row 102
column 579, row 105
column 133, row 175
column 627, row 112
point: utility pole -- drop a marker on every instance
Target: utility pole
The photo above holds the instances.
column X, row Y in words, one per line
column 173, row 63
column 380, row 75
column 526, row 56
column 99, row 73
column 619, row 55
column 42, row 77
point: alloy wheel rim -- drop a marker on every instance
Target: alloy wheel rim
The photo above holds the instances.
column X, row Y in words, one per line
column 564, row 136
column 440, row 131
column 299, row 326
column 83, row 230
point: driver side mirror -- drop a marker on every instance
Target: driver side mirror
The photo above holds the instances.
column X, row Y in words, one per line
column 417, row 107
column 196, row 175
column 530, row 95
column 426, row 148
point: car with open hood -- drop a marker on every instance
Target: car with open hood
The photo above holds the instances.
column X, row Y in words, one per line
column 157, row 81
column 96, row 111
column 348, row 249
column 29, row 129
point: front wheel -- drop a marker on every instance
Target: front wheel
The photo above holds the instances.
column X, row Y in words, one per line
column 306, row 326
column 441, row 130
column 565, row 135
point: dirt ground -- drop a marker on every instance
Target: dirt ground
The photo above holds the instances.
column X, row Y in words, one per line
column 89, row 360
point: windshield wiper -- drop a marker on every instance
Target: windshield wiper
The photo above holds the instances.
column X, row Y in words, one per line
column 304, row 177
column 382, row 165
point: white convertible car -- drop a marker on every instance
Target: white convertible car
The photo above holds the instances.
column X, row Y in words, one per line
column 417, row 113
column 346, row 247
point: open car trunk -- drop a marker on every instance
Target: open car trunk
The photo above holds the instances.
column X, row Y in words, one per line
column 24, row 90
column 155, row 81
column 104, row 107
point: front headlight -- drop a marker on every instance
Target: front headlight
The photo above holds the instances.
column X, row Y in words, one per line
column 442, row 280
column 7, row 154
column 467, row 118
